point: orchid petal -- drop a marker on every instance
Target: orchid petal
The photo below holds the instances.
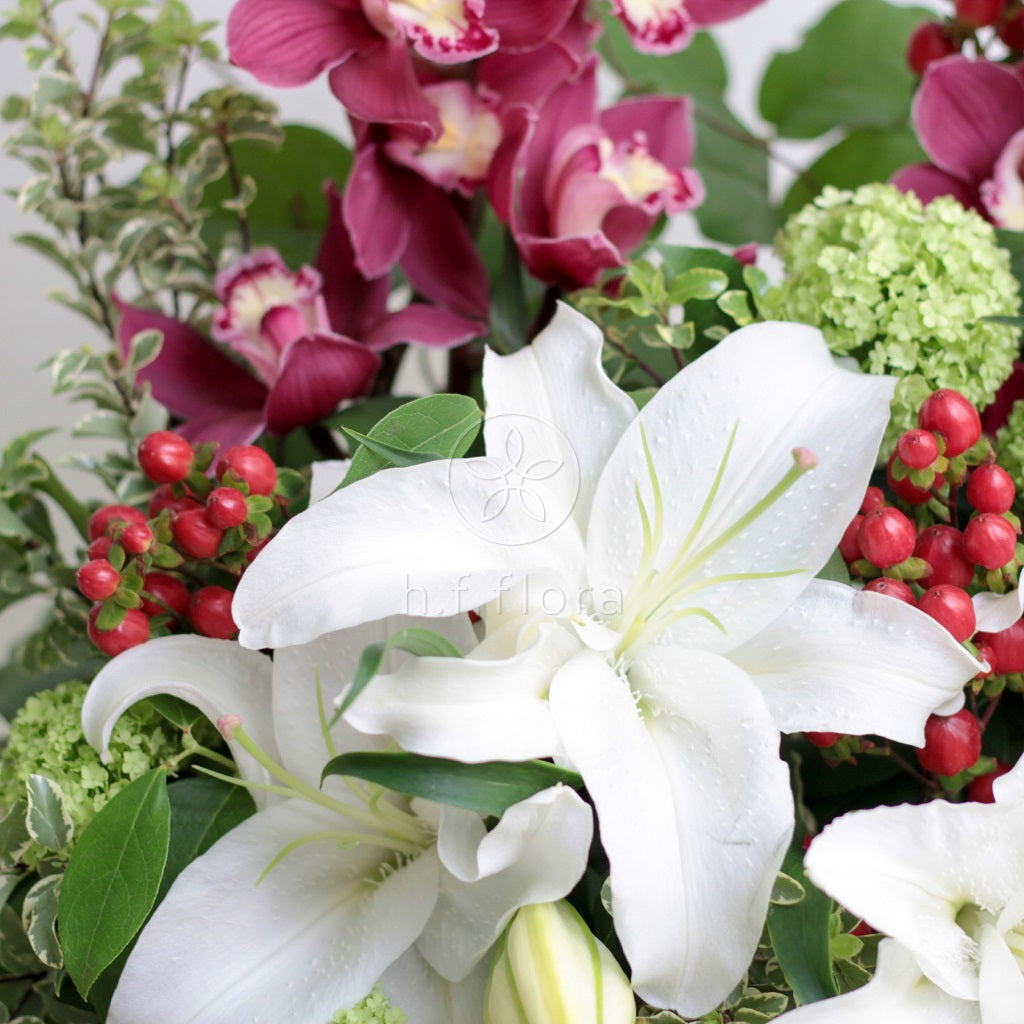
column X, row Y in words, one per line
column 719, row 442
column 376, row 212
column 712, row 12
column 420, row 324
column 558, row 381
column 965, row 112
column 927, row 182
column 223, row 429
column 809, row 665
column 317, row 372
column 413, row 986
column 664, row 124
column 318, row 930
column 656, row 26
column 472, row 708
column 289, row 42
column 416, row 554
column 216, row 676
column 996, row 612
column 516, row 32
column 492, row 874
column 910, row 869
column 696, row 761
column 897, row 992
column 1000, row 981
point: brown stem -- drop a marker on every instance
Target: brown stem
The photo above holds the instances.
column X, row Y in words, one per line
column 236, row 187
column 633, row 358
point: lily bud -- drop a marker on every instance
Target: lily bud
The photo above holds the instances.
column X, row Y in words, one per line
column 549, row 969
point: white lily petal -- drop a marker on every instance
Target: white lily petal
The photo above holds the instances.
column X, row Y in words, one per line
column 332, row 659
column 996, row 612
column 319, row 933
column 1000, row 981
column 839, row 416
column 472, row 709
column 216, row 676
column 1009, row 788
column 898, row 993
column 535, row 854
column 695, row 812
column 810, row 665
column 412, row 985
column 909, row 870
column 392, row 544
column 326, row 475
column 558, row 381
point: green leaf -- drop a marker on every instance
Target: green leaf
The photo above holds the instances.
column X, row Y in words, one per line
column 47, row 820
column 487, row 788
column 415, row 640
column 800, row 936
column 39, row 919
column 849, row 71
column 364, row 416
column 835, row 569
column 1013, row 243
column 787, row 891
column 394, row 456
column 14, row 837
column 442, row 425
column 178, row 712
column 865, row 155
column 113, row 877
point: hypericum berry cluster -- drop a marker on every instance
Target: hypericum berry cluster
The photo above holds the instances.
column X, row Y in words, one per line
column 175, row 566
column 932, row 40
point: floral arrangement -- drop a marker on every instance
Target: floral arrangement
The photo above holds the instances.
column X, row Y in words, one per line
column 663, row 663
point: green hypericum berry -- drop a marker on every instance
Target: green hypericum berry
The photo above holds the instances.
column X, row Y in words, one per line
column 903, row 289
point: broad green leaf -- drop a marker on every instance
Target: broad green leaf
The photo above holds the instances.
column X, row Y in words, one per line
column 487, row 788
column 394, row 455
column 39, row 919
column 1010, row 321
column 8, row 883
column 1013, row 243
column 47, row 820
column 865, row 155
column 415, row 640
column 850, row 70
column 787, row 890
column 113, row 877
column 800, row 936
column 178, row 712
column 835, row 569
column 16, row 953
column 442, row 425
column 14, row 837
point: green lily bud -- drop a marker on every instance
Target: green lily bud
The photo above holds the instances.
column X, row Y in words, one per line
column 549, row 969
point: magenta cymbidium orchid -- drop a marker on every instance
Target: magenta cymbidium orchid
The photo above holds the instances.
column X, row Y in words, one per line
column 969, row 118
column 302, row 908
column 651, row 613
column 666, row 26
column 946, row 882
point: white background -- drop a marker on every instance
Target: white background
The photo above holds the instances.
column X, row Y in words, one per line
column 32, row 328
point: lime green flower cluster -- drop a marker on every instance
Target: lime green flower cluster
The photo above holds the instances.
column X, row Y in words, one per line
column 903, row 289
column 374, row 1009
column 1010, row 451
column 46, row 739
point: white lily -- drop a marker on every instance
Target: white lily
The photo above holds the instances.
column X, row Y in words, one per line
column 658, row 636
column 299, row 910
column 946, row 882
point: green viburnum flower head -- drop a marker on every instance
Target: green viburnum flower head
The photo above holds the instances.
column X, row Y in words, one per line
column 1010, row 450
column 902, row 289
column 374, row 1009
column 46, row 739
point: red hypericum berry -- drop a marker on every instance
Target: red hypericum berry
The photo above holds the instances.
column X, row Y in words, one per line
column 824, row 739
column 929, row 42
column 979, row 13
column 991, row 489
column 226, row 507
column 951, row 743
column 905, row 489
column 886, row 537
column 950, row 607
column 162, row 593
column 942, row 547
column 917, row 449
column 874, row 497
column 251, row 464
column 136, row 538
column 195, row 534
column 1004, row 651
column 163, row 497
column 990, row 540
column 849, row 546
column 131, row 631
column 1011, row 31
column 98, row 579
column 892, row 588
column 979, row 789
column 165, row 457
column 100, row 547
column 210, row 613
column 861, row 929
column 102, row 521
column 948, row 413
